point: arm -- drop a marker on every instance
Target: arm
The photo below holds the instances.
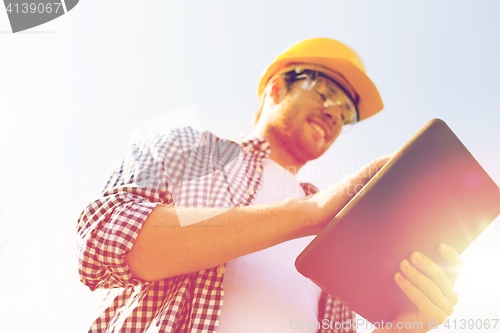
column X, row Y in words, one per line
column 164, row 249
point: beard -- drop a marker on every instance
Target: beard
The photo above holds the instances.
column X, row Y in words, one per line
column 292, row 138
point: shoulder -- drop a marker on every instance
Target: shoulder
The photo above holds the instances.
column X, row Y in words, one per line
column 175, row 140
column 183, row 135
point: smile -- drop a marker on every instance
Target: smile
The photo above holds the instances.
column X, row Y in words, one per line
column 318, row 129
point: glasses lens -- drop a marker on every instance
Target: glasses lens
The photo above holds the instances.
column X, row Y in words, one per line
column 331, row 95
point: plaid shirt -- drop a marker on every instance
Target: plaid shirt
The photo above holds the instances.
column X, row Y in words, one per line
column 171, row 168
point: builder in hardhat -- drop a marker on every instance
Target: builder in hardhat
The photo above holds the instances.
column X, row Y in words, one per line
column 232, row 270
column 307, row 95
column 327, row 80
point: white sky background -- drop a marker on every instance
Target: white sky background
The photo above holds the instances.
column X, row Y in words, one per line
column 72, row 91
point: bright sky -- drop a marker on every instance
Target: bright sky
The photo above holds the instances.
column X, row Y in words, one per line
column 73, row 90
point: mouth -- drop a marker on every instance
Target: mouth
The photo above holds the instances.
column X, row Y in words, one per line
column 318, row 128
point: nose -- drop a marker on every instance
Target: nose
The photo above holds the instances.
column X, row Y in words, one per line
column 333, row 113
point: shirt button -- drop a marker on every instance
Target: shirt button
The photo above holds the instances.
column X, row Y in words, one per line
column 221, row 270
column 258, row 169
column 264, row 146
column 251, row 191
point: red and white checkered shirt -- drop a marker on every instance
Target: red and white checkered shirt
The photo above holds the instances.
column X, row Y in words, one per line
column 172, row 168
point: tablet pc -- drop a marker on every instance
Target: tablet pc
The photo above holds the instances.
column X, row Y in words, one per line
column 432, row 191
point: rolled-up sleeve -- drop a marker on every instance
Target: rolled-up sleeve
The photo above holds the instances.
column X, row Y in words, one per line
column 108, row 227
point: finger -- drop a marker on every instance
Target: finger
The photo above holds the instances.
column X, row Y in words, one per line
column 382, row 160
column 426, row 307
column 436, row 274
column 369, row 170
column 378, row 163
column 427, row 286
column 456, row 264
column 354, row 183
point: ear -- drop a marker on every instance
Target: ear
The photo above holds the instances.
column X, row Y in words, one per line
column 277, row 88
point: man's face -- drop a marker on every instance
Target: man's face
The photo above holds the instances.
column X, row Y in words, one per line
column 301, row 124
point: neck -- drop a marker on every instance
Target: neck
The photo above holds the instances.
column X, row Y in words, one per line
column 279, row 153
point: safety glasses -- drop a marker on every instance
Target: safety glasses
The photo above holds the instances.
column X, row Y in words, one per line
column 326, row 92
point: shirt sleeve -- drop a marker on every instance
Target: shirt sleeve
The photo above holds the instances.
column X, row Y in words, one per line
column 334, row 316
column 108, row 227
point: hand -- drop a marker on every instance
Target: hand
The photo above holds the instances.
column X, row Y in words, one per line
column 429, row 288
column 327, row 203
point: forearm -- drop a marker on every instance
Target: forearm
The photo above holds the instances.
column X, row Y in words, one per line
column 163, row 248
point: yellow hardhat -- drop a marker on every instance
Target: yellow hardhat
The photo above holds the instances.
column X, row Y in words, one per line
column 333, row 56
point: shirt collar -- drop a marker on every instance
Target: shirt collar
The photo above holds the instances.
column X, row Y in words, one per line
column 253, row 144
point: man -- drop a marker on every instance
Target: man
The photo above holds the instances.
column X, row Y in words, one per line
column 162, row 232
